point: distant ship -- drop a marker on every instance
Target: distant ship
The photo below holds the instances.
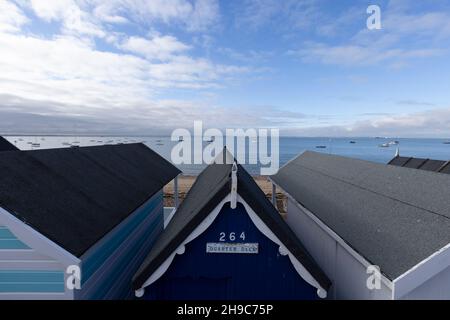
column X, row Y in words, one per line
column 384, row 145
column 321, row 147
column 446, row 142
column 352, row 142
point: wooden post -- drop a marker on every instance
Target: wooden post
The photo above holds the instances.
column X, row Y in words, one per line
column 274, row 195
column 175, row 192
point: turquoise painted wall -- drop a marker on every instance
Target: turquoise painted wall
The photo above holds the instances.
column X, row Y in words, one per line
column 28, row 281
column 9, row 241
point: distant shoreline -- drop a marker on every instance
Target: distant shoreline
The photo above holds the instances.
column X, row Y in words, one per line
column 102, row 135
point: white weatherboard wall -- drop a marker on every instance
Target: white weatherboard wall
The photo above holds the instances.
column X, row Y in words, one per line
column 345, row 270
column 429, row 279
column 31, row 266
column 436, row 288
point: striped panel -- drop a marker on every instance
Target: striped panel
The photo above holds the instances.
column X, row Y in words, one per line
column 128, row 265
column 8, row 241
column 95, row 259
column 31, row 281
column 120, row 253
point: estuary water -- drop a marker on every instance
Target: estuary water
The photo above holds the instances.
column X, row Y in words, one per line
column 289, row 147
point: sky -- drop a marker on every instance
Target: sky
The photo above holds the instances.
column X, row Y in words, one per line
column 307, row 67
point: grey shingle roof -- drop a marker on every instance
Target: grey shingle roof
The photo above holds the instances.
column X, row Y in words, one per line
column 75, row 196
column 422, row 164
column 394, row 217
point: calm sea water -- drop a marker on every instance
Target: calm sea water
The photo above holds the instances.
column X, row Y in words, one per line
column 290, row 147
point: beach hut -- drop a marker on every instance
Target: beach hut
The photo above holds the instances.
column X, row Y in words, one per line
column 227, row 241
column 378, row 231
column 5, row 145
column 440, row 166
column 77, row 223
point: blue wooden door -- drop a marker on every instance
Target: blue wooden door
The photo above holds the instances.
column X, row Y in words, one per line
column 198, row 274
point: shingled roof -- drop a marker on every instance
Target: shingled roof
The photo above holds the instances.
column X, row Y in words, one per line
column 75, row 196
column 5, row 145
column 422, row 164
column 392, row 216
column 209, row 189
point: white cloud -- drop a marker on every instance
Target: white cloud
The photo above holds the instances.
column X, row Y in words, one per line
column 205, row 14
column 158, row 47
column 429, row 123
column 11, row 17
column 65, row 74
column 404, row 36
column 198, row 15
column 286, row 15
column 357, row 55
column 74, row 20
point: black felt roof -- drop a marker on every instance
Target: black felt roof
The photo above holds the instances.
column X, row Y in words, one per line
column 5, row 145
column 394, row 217
column 209, row 189
column 75, row 196
column 422, row 164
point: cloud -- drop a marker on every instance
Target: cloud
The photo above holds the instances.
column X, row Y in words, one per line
column 156, row 48
column 358, row 55
column 285, row 15
column 195, row 16
column 430, row 123
column 404, row 37
column 415, row 103
column 74, row 20
column 11, row 17
column 67, row 75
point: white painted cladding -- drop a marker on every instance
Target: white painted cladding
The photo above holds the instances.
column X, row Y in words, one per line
column 436, row 288
column 346, row 272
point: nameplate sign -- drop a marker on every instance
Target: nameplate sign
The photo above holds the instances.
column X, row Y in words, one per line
column 221, row 247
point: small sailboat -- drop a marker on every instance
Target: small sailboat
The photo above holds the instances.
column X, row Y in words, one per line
column 384, row 145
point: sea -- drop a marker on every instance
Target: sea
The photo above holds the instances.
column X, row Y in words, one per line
column 370, row 149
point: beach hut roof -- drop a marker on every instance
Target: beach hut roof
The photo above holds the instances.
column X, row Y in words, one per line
column 75, row 196
column 5, row 145
column 394, row 217
column 209, row 189
column 440, row 166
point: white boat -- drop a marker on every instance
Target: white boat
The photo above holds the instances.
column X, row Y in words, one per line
column 384, row 145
